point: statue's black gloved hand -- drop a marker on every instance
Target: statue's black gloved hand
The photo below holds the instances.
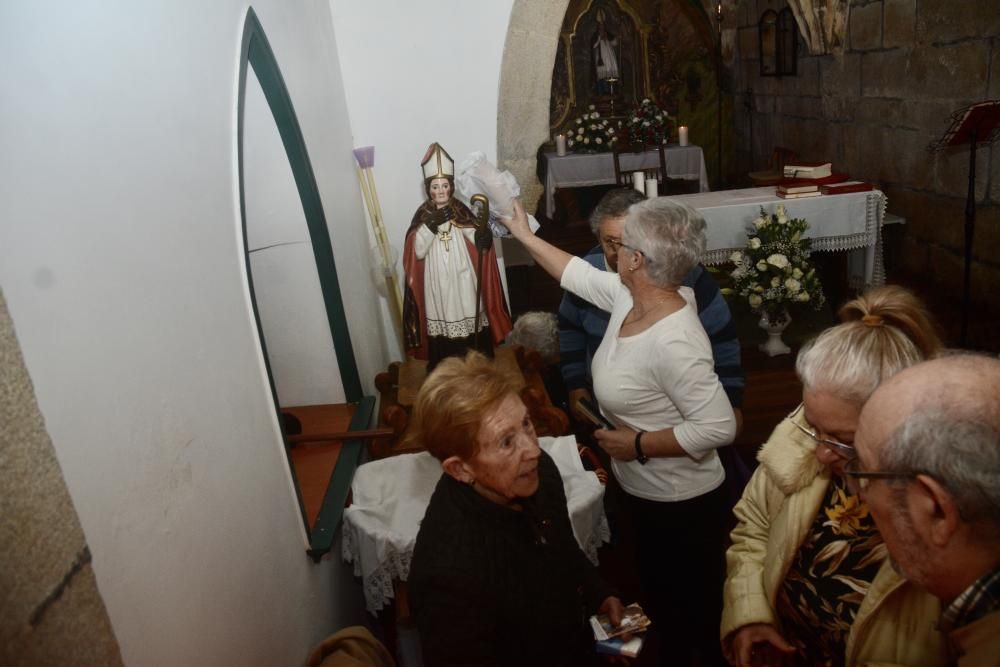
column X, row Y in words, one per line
column 484, row 238
column 437, row 218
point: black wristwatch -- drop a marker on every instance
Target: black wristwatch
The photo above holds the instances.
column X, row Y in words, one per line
column 639, row 456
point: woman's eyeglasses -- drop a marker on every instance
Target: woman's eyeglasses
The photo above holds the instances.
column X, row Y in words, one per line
column 858, row 479
column 843, row 449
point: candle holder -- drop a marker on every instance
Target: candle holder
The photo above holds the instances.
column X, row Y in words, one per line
column 611, row 87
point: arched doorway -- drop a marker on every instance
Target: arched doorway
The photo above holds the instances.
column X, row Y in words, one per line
column 523, row 111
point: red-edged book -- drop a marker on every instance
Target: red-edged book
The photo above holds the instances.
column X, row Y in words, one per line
column 832, row 178
column 796, row 188
column 798, row 195
column 845, row 187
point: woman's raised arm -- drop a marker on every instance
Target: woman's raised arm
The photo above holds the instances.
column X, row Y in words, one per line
column 549, row 257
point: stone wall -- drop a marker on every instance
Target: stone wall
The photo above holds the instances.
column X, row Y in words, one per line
column 873, row 108
column 51, row 612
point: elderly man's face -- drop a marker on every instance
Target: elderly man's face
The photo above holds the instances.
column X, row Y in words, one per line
column 907, row 551
column 609, row 232
column 506, row 465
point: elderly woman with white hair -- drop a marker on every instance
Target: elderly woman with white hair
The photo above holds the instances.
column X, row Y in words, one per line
column 655, row 381
column 809, row 581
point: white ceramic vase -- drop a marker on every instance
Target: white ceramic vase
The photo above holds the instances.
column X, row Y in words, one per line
column 774, row 346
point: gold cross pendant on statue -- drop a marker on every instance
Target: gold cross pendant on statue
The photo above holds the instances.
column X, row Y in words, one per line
column 445, row 237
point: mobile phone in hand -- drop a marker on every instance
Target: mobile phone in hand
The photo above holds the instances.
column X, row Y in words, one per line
column 593, row 415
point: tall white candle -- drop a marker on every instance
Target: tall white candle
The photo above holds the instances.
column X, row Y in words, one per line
column 638, row 181
column 682, row 135
column 560, row 144
column 652, row 188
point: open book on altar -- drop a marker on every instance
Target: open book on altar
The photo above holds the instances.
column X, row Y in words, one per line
column 808, row 170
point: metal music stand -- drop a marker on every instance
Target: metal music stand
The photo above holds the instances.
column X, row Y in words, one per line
column 976, row 125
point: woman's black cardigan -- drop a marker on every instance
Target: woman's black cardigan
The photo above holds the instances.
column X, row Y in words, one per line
column 494, row 586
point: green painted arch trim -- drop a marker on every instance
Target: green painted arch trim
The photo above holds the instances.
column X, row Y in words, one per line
column 255, row 52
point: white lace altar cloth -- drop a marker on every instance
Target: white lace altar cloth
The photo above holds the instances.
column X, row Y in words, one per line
column 390, row 497
column 836, row 222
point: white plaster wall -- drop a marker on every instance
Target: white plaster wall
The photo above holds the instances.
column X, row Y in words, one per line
column 286, row 285
column 121, row 262
column 415, row 73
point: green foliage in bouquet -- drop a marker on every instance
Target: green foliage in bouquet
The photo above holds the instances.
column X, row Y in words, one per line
column 773, row 273
column 590, row 133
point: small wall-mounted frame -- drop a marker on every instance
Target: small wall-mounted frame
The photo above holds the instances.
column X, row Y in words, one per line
column 788, row 43
column 778, row 35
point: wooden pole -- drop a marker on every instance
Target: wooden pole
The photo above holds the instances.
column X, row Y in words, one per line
column 370, row 195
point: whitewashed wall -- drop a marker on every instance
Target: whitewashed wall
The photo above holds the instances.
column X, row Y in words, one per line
column 415, row 73
column 121, row 262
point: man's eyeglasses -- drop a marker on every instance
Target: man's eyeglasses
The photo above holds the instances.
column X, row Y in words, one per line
column 858, row 479
column 615, row 244
column 843, row 449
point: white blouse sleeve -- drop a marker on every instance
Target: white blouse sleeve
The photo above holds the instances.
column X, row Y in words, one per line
column 688, row 378
column 592, row 284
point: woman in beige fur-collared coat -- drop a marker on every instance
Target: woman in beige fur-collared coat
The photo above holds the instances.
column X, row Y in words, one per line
column 809, row 581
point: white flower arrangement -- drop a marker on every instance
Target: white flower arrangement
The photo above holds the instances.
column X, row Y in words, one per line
column 774, row 272
column 590, row 133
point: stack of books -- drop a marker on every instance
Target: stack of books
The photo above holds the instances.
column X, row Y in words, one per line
column 810, row 179
column 797, row 190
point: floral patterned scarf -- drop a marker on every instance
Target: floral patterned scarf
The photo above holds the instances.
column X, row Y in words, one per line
column 830, row 577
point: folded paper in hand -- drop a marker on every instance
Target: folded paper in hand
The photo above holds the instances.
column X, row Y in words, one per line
column 633, row 620
column 616, row 646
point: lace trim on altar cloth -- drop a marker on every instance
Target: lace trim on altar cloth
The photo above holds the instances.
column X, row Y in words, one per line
column 377, row 585
column 874, row 215
column 600, row 535
column 461, row 329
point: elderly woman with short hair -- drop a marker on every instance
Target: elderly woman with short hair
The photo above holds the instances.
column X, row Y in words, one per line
column 497, row 577
column 655, row 381
column 808, row 573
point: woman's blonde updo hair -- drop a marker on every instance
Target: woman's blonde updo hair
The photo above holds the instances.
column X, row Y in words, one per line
column 452, row 403
column 883, row 331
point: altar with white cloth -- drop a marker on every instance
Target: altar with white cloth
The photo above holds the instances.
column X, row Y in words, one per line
column 836, row 222
column 390, row 497
column 577, row 170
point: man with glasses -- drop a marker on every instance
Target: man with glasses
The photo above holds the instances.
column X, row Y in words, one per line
column 582, row 325
column 928, row 466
